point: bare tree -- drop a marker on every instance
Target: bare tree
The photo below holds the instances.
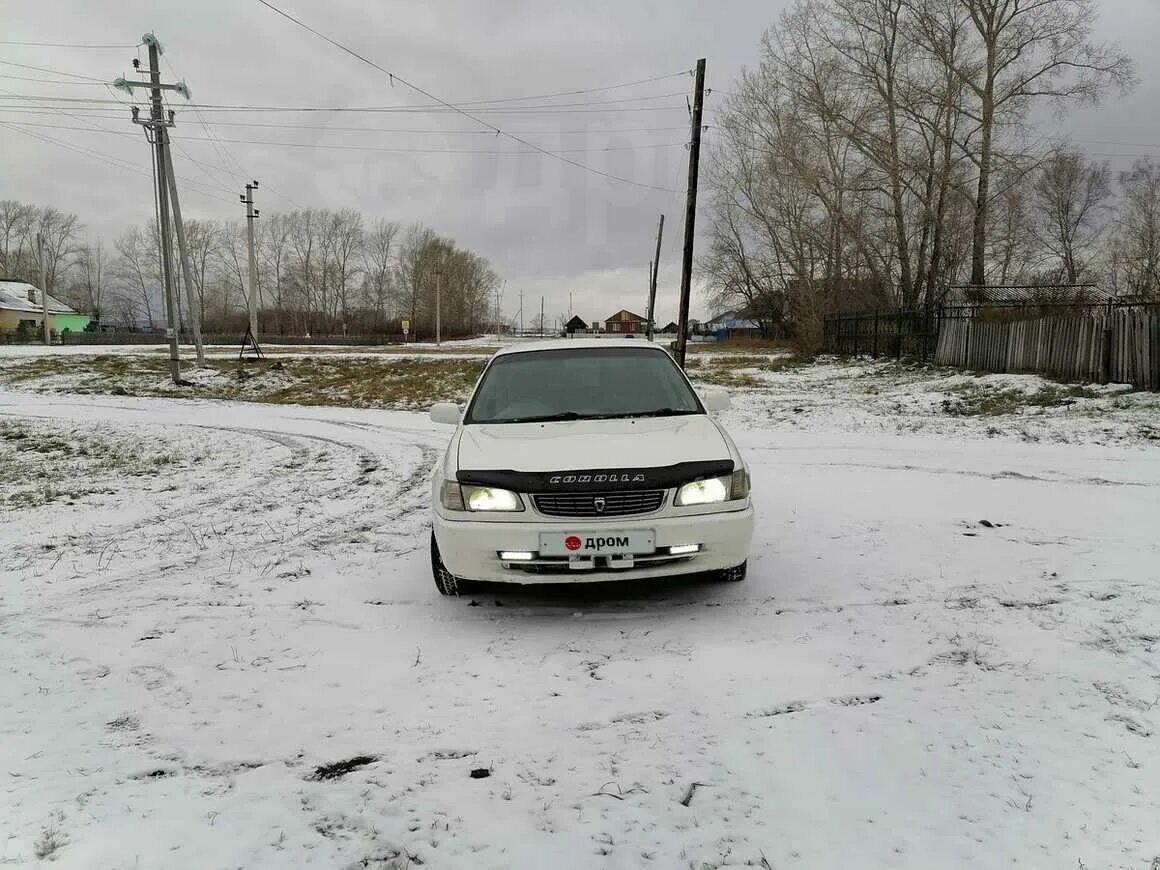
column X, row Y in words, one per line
column 136, row 269
column 16, row 232
column 1071, row 202
column 378, row 262
column 59, row 233
column 87, row 292
column 1135, row 251
column 273, row 254
column 202, row 239
column 1029, row 50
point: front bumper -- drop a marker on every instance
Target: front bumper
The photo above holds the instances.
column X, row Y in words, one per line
column 470, row 549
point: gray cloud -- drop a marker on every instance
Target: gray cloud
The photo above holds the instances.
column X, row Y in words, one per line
column 549, row 228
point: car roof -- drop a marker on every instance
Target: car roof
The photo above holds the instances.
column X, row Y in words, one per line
column 581, row 344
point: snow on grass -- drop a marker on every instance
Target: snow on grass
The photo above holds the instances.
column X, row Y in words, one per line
column 771, row 388
column 782, row 393
column 395, row 381
column 946, row 654
column 47, row 461
column 463, row 348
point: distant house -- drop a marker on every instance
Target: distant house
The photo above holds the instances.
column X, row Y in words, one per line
column 734, row 324
column 670, row 328
column 624, row 322
column 576, row 324
column 21, row 308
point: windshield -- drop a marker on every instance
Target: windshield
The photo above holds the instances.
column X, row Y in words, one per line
column 581, row 384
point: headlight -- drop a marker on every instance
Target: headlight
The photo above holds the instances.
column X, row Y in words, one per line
column 485, row 498
column 714, row 490
column 461, row 497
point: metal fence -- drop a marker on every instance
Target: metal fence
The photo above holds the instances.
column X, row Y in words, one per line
column 912, row 333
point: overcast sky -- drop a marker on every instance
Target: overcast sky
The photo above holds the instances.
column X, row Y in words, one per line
column 548, row 228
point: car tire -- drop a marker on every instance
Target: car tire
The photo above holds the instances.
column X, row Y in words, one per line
column 732, row 575
column 446, row 582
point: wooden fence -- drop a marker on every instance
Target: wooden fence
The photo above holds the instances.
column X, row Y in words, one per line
column 1120, row 346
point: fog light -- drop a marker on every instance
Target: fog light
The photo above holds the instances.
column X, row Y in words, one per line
column 684, row 549
column 516, row 556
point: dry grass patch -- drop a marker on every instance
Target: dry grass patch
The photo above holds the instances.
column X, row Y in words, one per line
column 383, row 381
column 44, row 462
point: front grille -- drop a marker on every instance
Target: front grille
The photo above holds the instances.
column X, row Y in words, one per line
column 587, row 504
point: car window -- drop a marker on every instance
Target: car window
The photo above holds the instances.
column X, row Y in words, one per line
column 589, row 383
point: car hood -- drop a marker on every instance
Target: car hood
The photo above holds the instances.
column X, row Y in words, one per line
column 642, row 442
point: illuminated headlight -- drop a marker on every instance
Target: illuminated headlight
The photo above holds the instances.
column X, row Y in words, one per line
column 714, row 490
column 461, row 497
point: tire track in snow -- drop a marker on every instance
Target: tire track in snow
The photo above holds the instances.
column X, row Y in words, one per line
column 348, row 478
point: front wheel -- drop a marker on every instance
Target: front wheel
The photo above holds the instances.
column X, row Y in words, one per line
column 731, row 575
column 446, row 582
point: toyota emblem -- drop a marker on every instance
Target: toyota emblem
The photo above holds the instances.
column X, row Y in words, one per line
column 599, row 504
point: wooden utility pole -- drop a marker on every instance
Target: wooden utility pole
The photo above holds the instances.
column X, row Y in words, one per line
column 652, row 279
column 438, row 306
column 541, row 317
column 191, row 301
column 41, row 259
column 690, row 214
column 251, row 214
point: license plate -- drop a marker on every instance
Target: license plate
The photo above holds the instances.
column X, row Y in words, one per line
column 602, row 543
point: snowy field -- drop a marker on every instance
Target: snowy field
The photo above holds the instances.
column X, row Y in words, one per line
column 220, row 646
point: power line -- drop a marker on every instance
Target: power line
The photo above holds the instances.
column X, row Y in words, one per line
column 66, row 44
column 559, row 109
column 218, row 150
column 339, row 147
column 108, row 159
column 463, row 112
column 398, row 150
column 680, row 74
column 110, row 113
column 205, row 189
column 49, row 81
column 53, row 71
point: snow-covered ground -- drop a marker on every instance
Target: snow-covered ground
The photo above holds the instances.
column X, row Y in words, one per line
column 897, row 684
column 465, row 347
column 882, row 396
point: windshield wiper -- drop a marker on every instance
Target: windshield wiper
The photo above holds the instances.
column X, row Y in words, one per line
column 664, row 412
column 546, row 418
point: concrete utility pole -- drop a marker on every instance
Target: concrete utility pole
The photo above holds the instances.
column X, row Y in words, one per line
column 541, row 317
column 521, row 313
column 690, row 214
column 652, row 278
column 191, row 301
column 157, row 125
column 251, row 214
column 156, row 132
column 41, row 258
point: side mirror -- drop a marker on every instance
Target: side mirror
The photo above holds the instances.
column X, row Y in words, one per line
column 715, row 400
column 446, row 413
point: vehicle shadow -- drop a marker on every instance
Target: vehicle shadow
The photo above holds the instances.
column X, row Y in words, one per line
column 610, row 596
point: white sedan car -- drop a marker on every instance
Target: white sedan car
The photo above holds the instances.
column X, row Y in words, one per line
column 587, row 460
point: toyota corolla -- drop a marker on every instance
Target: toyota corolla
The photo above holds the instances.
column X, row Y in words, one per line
column 587, row 460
